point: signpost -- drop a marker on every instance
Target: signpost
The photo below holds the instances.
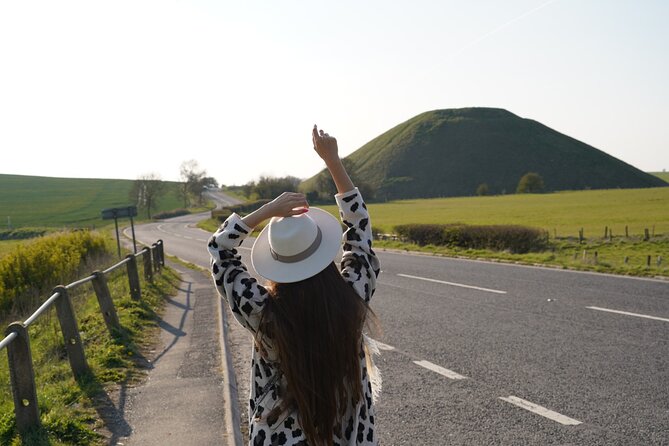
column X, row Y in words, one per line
column 116, row 213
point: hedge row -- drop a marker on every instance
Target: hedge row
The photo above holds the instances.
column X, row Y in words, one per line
column 22, row 233
column 241, row 209
column 170, row 214
column 514, row 238
column 34, row 269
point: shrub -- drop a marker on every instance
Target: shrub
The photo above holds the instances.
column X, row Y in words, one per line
column 172, row 213
column 22, row 233
column 482, row 189
column 517, row 239
column 34, row 269
column 530, row 183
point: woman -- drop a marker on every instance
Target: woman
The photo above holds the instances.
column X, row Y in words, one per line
column 310, row 382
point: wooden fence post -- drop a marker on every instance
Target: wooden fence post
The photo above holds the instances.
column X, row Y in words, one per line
column 71, row 337
column 22, row 377
column 133, row 278
column 148, row 269
column 156, row 257
column 646, row 236
column 161, row 251
column 627, row 234
column 106, row 303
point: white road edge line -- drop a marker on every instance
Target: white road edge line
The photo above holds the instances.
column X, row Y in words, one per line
column 540, row 410
column 454, row 284
column 440, row 370
column 630, row 314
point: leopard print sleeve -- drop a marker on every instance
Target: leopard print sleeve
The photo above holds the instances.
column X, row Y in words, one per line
column 359, row 265
column 243, row 293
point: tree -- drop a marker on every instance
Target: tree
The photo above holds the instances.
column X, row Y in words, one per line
column 146, row 191
column 271, row 187
column 530, row 183
column 193, row 182
column 482, row 189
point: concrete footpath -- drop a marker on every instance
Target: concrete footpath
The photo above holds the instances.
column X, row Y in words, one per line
column 182, row 402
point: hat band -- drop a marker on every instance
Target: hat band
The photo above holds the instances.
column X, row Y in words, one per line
column 300, row 255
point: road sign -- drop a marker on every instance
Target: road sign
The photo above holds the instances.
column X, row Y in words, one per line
column 116, row 213
column 126, row 211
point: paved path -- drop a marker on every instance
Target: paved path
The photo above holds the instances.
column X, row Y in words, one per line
column 181, row 401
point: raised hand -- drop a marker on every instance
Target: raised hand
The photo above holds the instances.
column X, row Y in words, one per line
column 287, row 204
column 325, row 145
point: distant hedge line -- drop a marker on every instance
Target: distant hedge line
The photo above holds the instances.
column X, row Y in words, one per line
column 170, row 214
column 514, row 238
column 33, row 270
column 22, row 233
column 241, row 209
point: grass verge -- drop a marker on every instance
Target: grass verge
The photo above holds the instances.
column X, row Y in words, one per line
column 74, row 413
column 619, row 256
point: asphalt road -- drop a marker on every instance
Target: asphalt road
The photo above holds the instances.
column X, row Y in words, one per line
column 484, row 353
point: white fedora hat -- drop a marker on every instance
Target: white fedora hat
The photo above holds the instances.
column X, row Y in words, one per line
column 290, row 249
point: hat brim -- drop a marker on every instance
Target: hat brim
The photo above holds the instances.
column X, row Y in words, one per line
column 280, row 272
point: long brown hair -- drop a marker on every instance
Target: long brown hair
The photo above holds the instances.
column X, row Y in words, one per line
column 316, row 327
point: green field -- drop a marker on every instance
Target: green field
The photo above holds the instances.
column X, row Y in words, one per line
column 67, row 202
column 663, row 175
column 561, row 213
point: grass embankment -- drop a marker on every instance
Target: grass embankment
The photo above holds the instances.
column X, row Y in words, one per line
column 69, row 202
column 561, row 214
column 72, row 413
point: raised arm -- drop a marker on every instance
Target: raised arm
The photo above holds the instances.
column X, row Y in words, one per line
column 359, row 264
column 326, row 147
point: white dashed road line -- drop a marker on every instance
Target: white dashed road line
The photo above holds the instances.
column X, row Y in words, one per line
column 461, row 285
column 626, row 313
column 440, row 370
column 383, row 346
column 540, row 410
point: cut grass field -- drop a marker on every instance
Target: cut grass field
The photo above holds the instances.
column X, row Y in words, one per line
column 68, row 202
column 561, row 213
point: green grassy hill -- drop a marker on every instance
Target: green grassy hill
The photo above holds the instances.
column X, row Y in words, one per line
column 445, row 153
column 67, row 202
column 662, row 175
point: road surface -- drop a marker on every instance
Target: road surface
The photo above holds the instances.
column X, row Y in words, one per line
column 485, row 353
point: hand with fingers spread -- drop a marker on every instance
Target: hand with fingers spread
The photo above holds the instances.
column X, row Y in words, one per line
column 285, row 205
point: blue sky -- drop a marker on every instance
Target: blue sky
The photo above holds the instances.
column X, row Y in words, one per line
column 118, row 89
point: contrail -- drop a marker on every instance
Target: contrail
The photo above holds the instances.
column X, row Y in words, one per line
column 501, row 27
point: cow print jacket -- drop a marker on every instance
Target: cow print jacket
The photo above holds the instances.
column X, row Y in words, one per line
column 246, row 297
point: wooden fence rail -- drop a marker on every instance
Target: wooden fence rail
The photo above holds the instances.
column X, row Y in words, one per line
column 17, row 340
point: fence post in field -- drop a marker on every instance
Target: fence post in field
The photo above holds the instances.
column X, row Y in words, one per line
column 105, row 301
column 596, row 257
column 22, row 377
column 627, row 234
column 71, row 337
column 133, row 278
column 580, row 235
column 156, row 257
column 627, row 259
column 606, row 231
column 148, row 269
column 646, row 235
column 648, row 261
